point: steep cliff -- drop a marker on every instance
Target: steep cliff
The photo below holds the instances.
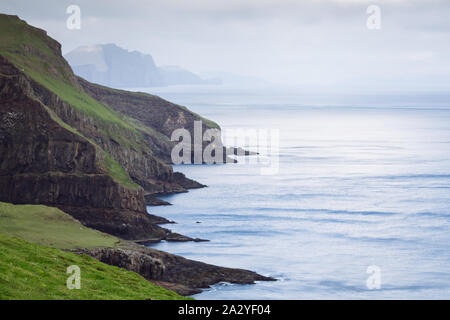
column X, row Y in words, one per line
column 62, row 147
column 156, row 118
column 45, row 161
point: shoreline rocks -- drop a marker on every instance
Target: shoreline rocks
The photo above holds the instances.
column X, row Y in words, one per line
column 173, row 272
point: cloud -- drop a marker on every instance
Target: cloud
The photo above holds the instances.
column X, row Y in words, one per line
column 309, row 43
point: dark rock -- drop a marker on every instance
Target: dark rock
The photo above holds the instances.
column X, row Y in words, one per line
column 54, row 153
column 186, row 183
column 169, row 237
column 176, row 287
column 239, row 151
column 176, row 237
column 44, row 162
column 151, row 200
column 171, row 270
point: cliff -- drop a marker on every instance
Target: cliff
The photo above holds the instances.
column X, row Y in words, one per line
column 156, row 118
column 63, row 145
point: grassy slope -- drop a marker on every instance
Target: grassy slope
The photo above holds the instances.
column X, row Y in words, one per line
column 209, row 123
column 49, row 226
column 46, row 68
column 32, row 271
column 35, row 267
column 112, row 166
column 42, row 66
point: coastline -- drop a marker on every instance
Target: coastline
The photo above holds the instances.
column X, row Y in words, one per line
column 97, row 154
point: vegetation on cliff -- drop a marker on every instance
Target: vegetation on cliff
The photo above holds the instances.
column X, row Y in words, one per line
column 66, row 144
column 33, row 266
column 38, row 56
column 113, row 125
column 94, row 153
column 35, row 272
column 51, row 227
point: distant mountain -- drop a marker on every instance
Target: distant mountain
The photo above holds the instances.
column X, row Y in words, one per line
column 113, row 66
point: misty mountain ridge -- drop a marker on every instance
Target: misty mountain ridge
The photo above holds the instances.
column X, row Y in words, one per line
column 113, row 66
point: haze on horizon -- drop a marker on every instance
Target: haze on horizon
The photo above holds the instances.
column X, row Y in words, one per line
column 312, row 44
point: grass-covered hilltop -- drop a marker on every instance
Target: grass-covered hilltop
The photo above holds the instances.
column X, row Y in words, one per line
column 79, row 163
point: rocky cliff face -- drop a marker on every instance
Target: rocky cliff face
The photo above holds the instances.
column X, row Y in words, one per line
column 95, row 153
column 138, row 160
column 160, row 116
column 156, row 119
column 60, row 146
column 43, row 162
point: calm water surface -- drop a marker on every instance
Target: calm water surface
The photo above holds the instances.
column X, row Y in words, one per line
column 357, row 186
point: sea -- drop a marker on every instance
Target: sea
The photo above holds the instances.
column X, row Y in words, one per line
column 357, row 207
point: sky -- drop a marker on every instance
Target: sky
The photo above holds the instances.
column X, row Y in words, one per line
column 312, row 44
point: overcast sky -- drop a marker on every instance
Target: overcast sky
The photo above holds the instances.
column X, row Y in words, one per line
column 308, row 43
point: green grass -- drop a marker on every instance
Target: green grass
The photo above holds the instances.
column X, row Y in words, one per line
column 33, row 264
column 49, row 226
column 47, row 68
column 115, row 170
column 15, row 32
column 50, row 70
column 118, row 172
column 31, row 271
column 87, row 105
column 80, row 100
column 207, row 122
column 40, row 71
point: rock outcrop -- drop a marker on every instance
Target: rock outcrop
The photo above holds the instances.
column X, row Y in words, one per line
column 173, row 272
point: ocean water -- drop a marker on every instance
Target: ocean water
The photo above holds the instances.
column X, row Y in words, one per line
column 359, row 184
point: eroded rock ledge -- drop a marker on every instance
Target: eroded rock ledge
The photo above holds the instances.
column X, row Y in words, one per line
column 184, row 276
